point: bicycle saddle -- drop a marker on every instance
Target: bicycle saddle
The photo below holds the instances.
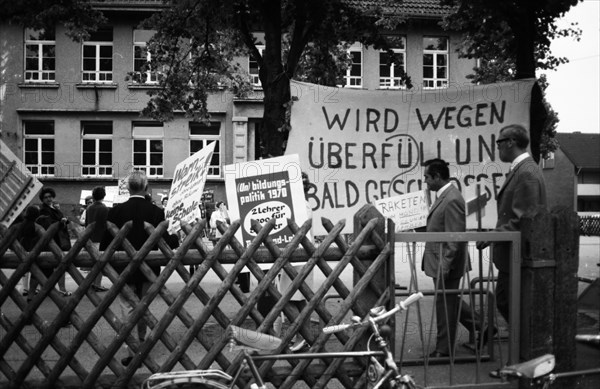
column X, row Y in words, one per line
column 531, row 369
column 254, row 339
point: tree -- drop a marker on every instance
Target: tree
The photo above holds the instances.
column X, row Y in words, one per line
column 196, row 41
column 77, row 15
column 512, row 40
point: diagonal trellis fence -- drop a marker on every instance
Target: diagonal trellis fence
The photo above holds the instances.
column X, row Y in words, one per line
column 50, row 340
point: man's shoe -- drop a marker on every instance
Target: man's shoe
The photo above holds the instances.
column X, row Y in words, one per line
column 300, row 346
column 126, row 361
column 495, row 374
column 437, row 354
column 99, row 288
column 483, row 336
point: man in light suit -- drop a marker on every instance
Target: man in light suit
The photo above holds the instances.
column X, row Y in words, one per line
column 139, row 210
column 523, row 190
column 446, row 262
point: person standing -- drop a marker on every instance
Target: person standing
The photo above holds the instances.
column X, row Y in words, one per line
column 220, row 214
column 523, row 190
column 97, row 212
column 50, row 213
column 138, row 210
column 447, row 262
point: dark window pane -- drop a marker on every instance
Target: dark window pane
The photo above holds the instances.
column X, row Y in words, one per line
column 47, row 158
column 88, row 145
column 156, row 145
column 39, row 128
column 105, row 145
column 139, row 146
column 105, row 159
column 212, row 128
column 48, row 145
column 31, row 158
column 89, row 51
column 139, row 159
column 88, row 158
column 103, row 34
column 97, row 128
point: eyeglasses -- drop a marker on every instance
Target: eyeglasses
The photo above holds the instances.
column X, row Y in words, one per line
column 499, row 141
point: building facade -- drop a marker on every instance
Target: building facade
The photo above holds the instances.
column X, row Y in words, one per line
column 71, row 112
column 572, row 173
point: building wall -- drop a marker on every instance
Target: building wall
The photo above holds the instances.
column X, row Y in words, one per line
column 68, row 102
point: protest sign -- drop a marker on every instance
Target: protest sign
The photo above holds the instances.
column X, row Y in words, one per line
column 264, row 189
column 188, row 183
column 84, row 193
column 360, row 146
column 408, row 211
column 18, row 187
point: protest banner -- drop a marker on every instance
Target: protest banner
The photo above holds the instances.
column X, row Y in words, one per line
column 407, row 211
column 186, row 189
column 264, row 189
column 360, row 146
column 18, row 187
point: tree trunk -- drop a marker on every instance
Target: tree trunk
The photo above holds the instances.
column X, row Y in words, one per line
column 275, row 83
column 275, row 129
column 524, row 30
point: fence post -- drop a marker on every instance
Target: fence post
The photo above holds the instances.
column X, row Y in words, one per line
column 361, row 218
column 537, row 283
column 566, row 253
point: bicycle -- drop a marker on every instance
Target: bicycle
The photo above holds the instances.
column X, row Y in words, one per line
column 384, row 374
column 539, row 370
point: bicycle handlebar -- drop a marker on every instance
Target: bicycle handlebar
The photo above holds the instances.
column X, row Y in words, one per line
column 403, row 305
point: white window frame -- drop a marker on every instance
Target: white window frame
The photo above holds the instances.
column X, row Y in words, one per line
column 254, row 78
column 97, row 76
column 96, row 169
column 148, row 133
column 393, row 81
column 354, row 81
column 436, row 82
column 150, row 76
column 42, row 74
column 215, row 169
column 39, row 169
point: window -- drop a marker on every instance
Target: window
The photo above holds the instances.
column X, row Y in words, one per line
column 354, row 72
column 435, row 62
column 148, row 148
column 141, row 56
column 40, row 56
column 389, row 72
column 39, row 147
column 96, row 149
column 97, row 56
column 203, row 134
column 253, row 67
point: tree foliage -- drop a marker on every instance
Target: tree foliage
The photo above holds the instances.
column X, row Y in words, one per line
column 78, row 16
column 512, row 40
column 197, row 42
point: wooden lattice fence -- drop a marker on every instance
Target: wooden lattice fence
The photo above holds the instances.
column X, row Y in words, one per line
column 179, row 320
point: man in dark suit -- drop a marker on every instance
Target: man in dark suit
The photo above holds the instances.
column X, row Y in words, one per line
column 523, row 190
column 139, row 210
column 446, row 262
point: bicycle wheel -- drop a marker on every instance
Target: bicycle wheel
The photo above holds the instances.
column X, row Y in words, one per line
column 199, row 384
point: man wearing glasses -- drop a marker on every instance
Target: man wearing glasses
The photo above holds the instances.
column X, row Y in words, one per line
column 523, row 190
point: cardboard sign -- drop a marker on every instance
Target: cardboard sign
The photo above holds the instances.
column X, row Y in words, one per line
column 265, row 189
column 18, row 187
column 186, row 190
column 360, row 146
column 408, row 211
